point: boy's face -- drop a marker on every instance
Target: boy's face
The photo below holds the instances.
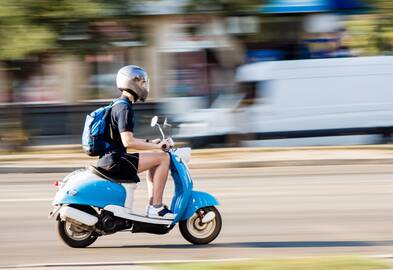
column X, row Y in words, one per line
column 142, row 83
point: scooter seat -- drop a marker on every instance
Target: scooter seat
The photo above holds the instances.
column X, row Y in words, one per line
column 104, row 174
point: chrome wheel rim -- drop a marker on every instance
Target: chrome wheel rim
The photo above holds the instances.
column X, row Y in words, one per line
column 198, row 229
column 76, row 233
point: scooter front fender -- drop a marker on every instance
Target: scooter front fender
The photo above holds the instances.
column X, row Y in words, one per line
column 198, row 200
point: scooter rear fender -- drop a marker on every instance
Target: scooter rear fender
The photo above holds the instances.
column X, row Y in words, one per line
column 94, row 192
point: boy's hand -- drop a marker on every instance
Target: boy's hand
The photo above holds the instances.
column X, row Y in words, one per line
column 156, row 141
column 164, row 145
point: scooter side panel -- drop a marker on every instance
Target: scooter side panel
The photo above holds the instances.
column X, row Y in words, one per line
column 198, row 200
column 99, row 193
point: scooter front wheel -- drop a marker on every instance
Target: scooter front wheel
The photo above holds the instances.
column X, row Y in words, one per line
column 199, row 233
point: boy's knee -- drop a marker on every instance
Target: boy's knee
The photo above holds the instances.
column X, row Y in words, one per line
column 165, row 158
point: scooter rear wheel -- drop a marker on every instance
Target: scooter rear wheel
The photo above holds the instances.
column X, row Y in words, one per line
column 74, row 236
column 198, row 233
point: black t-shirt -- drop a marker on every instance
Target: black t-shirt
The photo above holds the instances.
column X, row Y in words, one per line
column 121, row 119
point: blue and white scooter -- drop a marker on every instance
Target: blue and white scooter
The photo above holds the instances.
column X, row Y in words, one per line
column 89, row 204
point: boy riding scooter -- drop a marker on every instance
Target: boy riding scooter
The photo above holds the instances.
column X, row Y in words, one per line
column 97, row 201
column 133, row 83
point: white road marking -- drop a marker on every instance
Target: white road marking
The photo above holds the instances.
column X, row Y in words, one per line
column 382, row 256
column 122, row 263
column 26, row 200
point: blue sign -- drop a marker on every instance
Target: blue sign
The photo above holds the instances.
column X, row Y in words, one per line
column 311, row 6
column 296, row 6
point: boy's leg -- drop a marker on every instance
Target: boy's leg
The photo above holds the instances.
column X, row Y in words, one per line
column 149, row 181
column 160, row 162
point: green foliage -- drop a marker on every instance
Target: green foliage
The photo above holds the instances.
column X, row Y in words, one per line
column 22, row 39
column 372, row 34
column 381, row 6
column 29, row 26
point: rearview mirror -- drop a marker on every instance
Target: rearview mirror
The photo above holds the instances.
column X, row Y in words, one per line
column 154, row 121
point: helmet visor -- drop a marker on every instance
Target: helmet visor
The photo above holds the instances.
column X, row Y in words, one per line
column 141, row 77
column 138, row 73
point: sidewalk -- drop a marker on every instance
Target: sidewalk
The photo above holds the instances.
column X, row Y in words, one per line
column 65, row 159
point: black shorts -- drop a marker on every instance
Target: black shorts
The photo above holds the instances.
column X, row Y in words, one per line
column 126, row 168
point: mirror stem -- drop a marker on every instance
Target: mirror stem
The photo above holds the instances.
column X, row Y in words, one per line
column 162, row 133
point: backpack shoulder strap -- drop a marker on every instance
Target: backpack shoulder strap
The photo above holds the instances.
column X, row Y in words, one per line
column 118, row 101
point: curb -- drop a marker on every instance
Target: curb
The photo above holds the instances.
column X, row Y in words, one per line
column 76, row 149
column 215, row 165
column 218, row 152
column 27, row 170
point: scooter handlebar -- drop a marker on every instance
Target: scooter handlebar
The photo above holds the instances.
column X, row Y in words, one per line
column 169, row 143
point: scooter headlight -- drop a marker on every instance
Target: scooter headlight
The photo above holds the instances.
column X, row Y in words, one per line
column 184, row 154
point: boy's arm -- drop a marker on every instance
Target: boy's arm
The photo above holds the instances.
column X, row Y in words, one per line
column 130, row 141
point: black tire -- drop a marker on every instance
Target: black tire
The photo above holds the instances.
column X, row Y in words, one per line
column 88, row 238
column 204, row 234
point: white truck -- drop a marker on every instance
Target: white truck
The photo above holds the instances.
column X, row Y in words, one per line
column 313, row 102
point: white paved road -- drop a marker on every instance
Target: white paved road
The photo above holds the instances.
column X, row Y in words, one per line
column 278, row 211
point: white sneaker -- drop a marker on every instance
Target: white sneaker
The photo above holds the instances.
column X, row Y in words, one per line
column 162, row 212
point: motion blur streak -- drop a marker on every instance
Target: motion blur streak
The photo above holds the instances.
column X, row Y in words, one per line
column 58, row 62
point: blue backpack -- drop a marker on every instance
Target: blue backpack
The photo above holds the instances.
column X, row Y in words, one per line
column 93, row 138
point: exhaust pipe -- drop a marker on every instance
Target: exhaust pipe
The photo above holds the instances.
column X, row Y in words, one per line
column 78, row 215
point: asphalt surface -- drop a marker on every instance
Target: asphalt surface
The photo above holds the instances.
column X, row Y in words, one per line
column 266, row 212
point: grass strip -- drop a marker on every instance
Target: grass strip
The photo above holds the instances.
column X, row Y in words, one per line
column 311, row 263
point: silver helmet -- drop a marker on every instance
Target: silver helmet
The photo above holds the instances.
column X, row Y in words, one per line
column 133, row 79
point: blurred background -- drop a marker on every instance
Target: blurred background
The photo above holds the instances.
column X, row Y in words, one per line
column 226, row 73
column 251, row 74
